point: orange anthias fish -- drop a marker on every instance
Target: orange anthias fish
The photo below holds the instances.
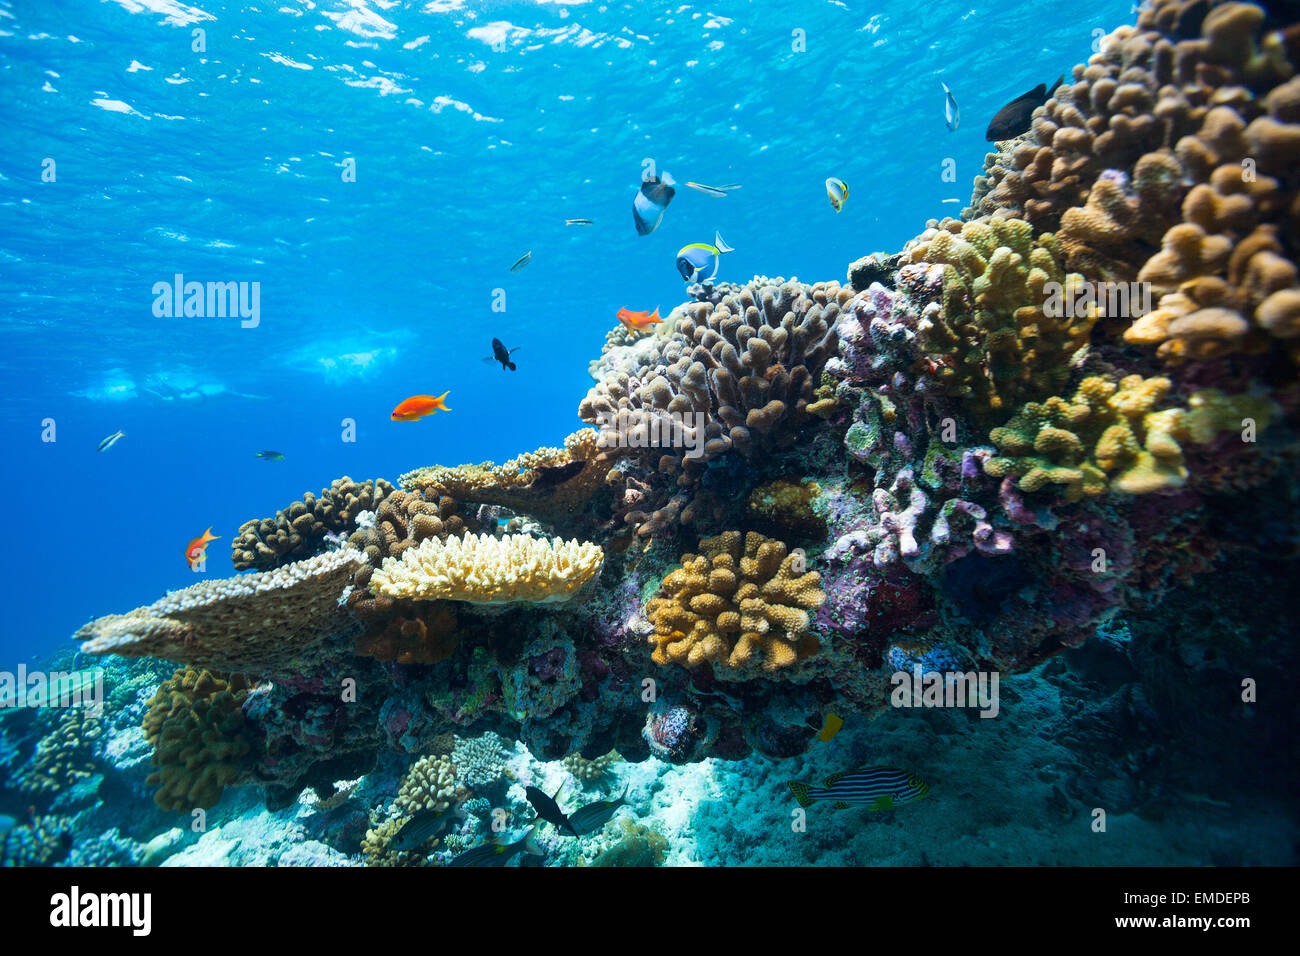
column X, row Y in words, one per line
column 418, row 406
column 196, row 550
column 638, row 321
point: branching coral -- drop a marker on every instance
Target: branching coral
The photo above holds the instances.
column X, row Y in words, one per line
column 65, row 756
column 741, row 604
column 1112, row 436
column 196, row 726
column 430, row 784
column 300, row 529
column 1006, row 330
column 486, row 570
column 747, row 365
column 257, row 624
column 1181, row 133
column 554, row 484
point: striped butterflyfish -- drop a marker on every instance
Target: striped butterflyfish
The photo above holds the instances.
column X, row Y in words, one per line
column 879, row 788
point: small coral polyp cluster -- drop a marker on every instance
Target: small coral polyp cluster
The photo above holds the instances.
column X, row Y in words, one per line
column 935, row 462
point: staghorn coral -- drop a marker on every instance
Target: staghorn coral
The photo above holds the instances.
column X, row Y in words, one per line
column 300, row 529
column 740, row 605
column 486, row 570
column 1111, row 436
column 258, row 624
column 65, row 756
column 1004, row 333
column 195, row 725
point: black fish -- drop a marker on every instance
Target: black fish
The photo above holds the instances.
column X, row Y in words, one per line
column 548, row 476
column 501, row 354
column 548, row 810
column 1013, row 119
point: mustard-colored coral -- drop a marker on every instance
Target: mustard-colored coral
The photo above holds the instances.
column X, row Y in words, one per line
column 1113, row 436
column 196, row 726
column 1008, row 327
column 550, row 483
column 430, row 784
column 481, row 569
column 741, row 604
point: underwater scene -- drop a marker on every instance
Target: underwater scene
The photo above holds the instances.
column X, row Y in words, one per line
column 565, row 433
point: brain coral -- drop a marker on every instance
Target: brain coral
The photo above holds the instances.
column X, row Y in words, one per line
column 741, row 604
column 297, row 531
column 196, row 726
column 257, row 624
column 482, row 569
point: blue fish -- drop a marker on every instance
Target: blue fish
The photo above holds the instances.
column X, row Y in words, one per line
column 879, row 788
column 698, row 262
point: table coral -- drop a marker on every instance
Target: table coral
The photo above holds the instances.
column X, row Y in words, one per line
column 257, row 624
column 196, row 726
column 740, row 605
column 486, row 570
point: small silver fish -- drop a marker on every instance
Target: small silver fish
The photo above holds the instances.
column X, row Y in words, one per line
column 951, row 114
column 578, row 222
column 522, row 261
column 717, row 191
column 111, row 440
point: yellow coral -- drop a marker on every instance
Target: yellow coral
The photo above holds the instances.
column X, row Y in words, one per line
column 740, row 605
column 1112, row 436
column 481, row 569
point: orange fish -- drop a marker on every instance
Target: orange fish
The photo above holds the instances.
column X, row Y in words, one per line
column 638, row 321
column 196, row 550
column 417, row 406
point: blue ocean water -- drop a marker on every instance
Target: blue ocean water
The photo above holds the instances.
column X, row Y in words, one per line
column 476, row 130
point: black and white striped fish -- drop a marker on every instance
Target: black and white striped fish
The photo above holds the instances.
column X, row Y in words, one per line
column 880, row 788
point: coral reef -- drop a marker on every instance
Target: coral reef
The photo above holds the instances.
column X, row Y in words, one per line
column 741, row 604
column 65, row 756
